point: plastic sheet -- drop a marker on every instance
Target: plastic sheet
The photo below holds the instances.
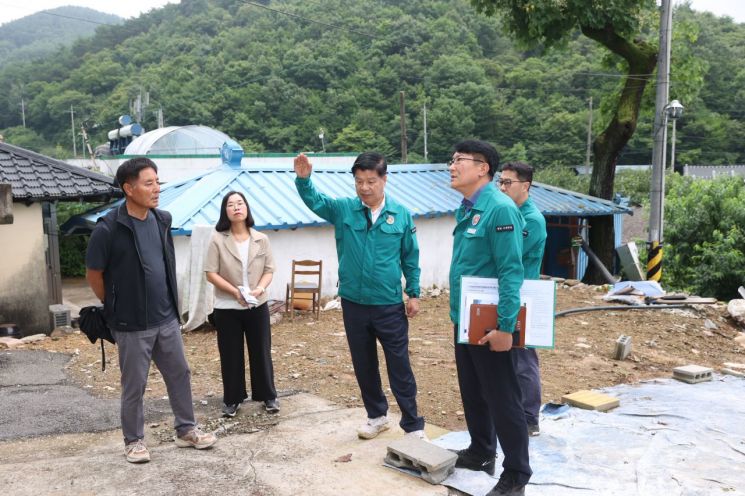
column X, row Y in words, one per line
column 668, row 438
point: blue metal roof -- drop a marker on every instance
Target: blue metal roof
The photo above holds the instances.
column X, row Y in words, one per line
column 275, row 204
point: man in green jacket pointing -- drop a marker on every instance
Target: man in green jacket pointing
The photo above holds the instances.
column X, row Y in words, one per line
column 375, row 243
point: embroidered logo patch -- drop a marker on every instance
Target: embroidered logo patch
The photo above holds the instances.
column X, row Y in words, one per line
column 471, row 230
column 508, row 227
column 525, row 233
column 390, row 220
column 476, row 219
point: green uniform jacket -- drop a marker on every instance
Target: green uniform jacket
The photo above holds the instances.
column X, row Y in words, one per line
column 488, row 242
column 534, row 242
column 370, row 260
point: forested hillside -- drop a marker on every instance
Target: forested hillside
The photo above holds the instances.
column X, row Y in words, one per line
column 274, row 74
column 41, row 34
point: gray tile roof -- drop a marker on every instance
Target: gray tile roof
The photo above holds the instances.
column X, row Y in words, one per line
column 35, row 177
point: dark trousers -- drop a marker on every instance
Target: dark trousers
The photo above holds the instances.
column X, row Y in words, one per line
column 253, row 325
column 492, row 404
column 389, row 325
column 525, row 361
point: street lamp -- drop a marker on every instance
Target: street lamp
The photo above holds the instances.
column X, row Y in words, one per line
column 673, row 111
column 323, row 144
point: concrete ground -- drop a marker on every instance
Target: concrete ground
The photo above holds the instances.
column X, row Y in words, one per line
column 56, row 439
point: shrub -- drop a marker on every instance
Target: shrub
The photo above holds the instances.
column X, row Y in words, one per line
column 705, row 236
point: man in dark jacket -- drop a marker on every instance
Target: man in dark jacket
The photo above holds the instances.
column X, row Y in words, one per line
column 131, row 268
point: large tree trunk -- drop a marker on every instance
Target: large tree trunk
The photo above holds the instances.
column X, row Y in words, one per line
column 641, row 58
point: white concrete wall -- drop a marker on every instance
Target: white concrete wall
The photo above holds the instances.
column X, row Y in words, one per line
column 24, row 291
column 435, row 251
column 435, row 236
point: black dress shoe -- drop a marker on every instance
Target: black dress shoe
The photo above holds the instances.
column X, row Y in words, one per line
column 507, row 486
column 230, row 410
column 467, row 459
column 271, row 406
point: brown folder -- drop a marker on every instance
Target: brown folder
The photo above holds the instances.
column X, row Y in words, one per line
column 484, row 318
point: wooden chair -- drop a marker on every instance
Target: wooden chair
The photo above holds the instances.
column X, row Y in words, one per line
column 313, row 269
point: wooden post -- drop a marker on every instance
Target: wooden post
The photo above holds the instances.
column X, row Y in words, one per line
column 6, row 204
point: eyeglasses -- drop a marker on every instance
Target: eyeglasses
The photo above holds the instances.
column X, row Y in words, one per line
column 458, row 160
column 508, row 182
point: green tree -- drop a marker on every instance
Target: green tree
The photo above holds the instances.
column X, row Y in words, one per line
column 353, row 139
column 704, row 236
column 617, row 26
column 23, row 137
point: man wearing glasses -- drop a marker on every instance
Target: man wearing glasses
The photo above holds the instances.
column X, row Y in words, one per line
column 488, row 242
column 515, row 182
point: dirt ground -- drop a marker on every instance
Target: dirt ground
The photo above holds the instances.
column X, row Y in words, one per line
column 312, row 356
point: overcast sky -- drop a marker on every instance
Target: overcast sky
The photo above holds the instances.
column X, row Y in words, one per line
column 14, row 9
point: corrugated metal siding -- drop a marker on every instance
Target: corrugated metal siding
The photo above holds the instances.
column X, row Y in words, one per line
column 423, row 189
column 582, row 259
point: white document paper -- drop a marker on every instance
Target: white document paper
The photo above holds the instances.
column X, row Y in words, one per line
column 539, row 297
column 246, row 294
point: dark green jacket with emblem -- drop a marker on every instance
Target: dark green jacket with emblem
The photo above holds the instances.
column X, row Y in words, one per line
column 371, row 260
column 488, row 242
column 534, row 242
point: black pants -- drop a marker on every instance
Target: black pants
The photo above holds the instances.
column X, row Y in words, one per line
column 232, row 326
column 388, row 324
column 492, row 403
column 525, row 361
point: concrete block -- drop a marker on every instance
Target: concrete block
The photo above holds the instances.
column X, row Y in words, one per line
column 623, row 347
column 732, row 372
column 591, row 400
column 433, row 463
column 692, row 374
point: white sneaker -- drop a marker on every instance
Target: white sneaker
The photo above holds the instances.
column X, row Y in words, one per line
column 136, row 452
column 373, row 427
column 420, row 434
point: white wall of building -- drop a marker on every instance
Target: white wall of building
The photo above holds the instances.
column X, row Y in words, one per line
column 435, row 251
column 24, row 291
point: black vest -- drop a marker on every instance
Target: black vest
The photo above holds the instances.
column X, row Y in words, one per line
column 126, row 299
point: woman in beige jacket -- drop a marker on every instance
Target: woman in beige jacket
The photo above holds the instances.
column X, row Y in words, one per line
column 240, row 265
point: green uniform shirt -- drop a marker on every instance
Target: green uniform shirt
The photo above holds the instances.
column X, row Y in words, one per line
column 488, row 242
column 534, row 242
column 371, row 260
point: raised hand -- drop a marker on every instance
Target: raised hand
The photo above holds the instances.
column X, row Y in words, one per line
column 303, row 167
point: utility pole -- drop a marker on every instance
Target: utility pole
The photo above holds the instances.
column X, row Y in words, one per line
column 72, row 122
column 425, row 132
column 87, row 143
column 589, row 141
column 23, row 111
column 402, row 98
column 672, row 148
column 659, row 130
